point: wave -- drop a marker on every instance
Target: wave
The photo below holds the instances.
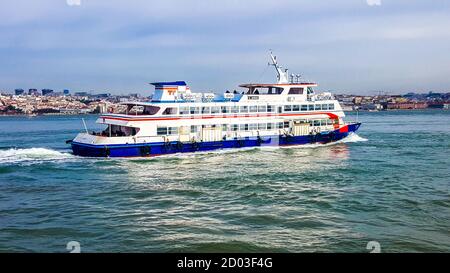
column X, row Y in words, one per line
column 15, row 155
column 353, row 137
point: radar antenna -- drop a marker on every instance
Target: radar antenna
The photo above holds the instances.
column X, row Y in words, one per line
column 282, row 75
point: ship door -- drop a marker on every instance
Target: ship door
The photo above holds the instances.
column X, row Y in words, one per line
column 301, row 128
column 211, row 133
column 185, row 133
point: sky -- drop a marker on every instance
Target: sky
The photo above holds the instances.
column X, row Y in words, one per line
column 346, row 46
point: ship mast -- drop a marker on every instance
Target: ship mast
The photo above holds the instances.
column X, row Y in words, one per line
column 282, row 75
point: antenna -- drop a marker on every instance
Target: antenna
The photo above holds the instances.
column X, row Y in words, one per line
column 85, row 127
column 282, row 75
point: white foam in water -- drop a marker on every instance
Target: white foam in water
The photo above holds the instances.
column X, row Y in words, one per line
column 43, row 154
column 353, row 137
column 31, row 154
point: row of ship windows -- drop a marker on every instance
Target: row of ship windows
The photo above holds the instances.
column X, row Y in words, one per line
column 249, row 109
column 162, row 131
column 309, row 107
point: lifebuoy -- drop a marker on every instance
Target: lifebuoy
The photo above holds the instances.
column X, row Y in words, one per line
column 107, row 151
column 241, row 142
column 145, row 150
column 179, row 145
column 195, row 145
column 259, row 139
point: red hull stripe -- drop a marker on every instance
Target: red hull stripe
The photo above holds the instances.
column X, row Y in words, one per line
column 330, row 115
column 343, row 129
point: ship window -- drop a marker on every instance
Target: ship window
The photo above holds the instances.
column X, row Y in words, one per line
column 243, row 127
column 329, row 122
column 296, row 91
column 324, row 106
column 286, row 124
column 280, row 125
column 120, row 131
column 270, row 108
column 269, row 126
column 172, row 130
column 135, row 109
column 287, row 108
column 234, row 127
column 296, row 108
column 195, row 110
column 316, row 122
column 161, row 131
column 234, row 109
column 184, row 110
column 206, row 110
column 262, row 108
column 224, row 127
column 225, row 109
column 170, row 111
column 304, row 107
column 317, row 107
column 244, row 109
column 262, row 126
column 194, row 128
column 253, row 109
column 150, row 110
column 252, row 126
column 311, row 107
column 215, row 110
column 310, row 90
column 331, row 106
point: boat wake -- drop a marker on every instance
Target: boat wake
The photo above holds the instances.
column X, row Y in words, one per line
column 37, row 155
column 353, row 137
column 14, row 155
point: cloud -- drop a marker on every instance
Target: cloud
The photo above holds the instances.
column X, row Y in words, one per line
column 114, row 45
column 374, row 2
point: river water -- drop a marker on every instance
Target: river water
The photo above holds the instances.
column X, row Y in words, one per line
column 389, row 184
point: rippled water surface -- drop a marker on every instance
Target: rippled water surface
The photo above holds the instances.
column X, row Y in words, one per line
column 390, row 183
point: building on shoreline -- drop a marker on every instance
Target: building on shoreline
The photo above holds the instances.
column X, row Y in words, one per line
column 394, row 102
column 54, row 103
column 50, row 102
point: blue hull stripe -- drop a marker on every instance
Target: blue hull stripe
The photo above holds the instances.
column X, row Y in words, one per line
column 161, row 148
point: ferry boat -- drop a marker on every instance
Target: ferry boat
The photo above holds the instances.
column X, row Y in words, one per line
column 177, row 120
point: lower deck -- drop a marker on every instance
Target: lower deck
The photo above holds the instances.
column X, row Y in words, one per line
column 172, row 147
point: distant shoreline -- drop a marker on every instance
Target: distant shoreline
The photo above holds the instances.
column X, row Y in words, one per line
column 44, row 115
column 348, row 111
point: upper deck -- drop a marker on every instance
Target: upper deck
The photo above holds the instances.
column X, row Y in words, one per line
column 175, row 99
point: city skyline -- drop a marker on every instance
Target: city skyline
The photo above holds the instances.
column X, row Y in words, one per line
column 356, row 46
